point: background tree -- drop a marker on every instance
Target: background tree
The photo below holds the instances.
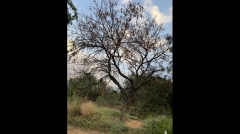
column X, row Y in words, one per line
column 160, row 101
column 70, row 17
column 110, row 98
column 114, row 39
column 155, row 97
column 86, row 86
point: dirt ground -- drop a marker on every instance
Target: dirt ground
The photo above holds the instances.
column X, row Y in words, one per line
column 134, row 123
column 130, row 123
column 81, row 131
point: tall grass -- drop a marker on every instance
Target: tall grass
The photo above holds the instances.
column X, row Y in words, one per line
column 87, row 108
column 73, row 107
column 101, row 119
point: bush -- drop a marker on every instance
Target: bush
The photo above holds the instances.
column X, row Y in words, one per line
column 73, row 107
column 101, row 101
column 108, row 100
column 87, row 108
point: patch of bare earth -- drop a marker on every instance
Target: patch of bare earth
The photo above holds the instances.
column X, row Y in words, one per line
column 134, row 123
column 81, row 131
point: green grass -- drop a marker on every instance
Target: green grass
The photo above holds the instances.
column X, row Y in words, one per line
column 107, row 111
column 105, row 119
column 102, row 119
column 158, row 125
column 97, row 122
column 113, row 112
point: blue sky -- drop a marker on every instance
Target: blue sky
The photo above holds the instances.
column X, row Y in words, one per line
column 162, row 9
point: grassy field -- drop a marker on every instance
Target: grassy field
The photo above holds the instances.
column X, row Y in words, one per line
column 88, row 115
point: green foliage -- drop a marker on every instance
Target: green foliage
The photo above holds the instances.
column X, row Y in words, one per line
column 155, row 97
column 110, row 98
column 74, row 9
column 118, row 127
column 161, row 94
column 86, row 86
column 158, row 125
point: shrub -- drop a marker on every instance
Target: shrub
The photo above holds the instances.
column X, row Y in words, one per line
column 73, row 107
column 108, row 100
column 87, row 108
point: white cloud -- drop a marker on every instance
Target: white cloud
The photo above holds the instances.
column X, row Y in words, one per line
column 125, row 1
column 170, row 9
column 155, row 12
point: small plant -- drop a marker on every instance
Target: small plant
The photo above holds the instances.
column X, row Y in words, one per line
column 87, row 108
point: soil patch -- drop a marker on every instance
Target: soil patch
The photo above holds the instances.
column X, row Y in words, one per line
column 134, row 123
column 81, row 131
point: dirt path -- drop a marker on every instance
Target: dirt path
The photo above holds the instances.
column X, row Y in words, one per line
column 134, row 123
column 72, row 130
column 130, row 123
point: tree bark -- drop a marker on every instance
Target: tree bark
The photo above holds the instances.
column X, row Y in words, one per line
column 86, row 97
column 124, row 110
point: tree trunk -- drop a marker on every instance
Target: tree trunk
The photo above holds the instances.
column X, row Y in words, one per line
column 123, row 110
column 166, row 110
column 86, row 97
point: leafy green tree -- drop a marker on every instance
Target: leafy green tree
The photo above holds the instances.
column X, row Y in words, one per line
column 154, row 97
column 86, row 86
column 110, row 98
column 157, row 96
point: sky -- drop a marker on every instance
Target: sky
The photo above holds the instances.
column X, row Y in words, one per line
column 161, row 9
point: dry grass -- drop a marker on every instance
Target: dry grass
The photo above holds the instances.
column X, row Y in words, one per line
column 87, row 108
column 73, row 107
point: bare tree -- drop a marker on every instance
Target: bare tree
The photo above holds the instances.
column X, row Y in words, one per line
column 113, row 39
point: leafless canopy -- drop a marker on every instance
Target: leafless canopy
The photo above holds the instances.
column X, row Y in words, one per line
column 112, row 39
